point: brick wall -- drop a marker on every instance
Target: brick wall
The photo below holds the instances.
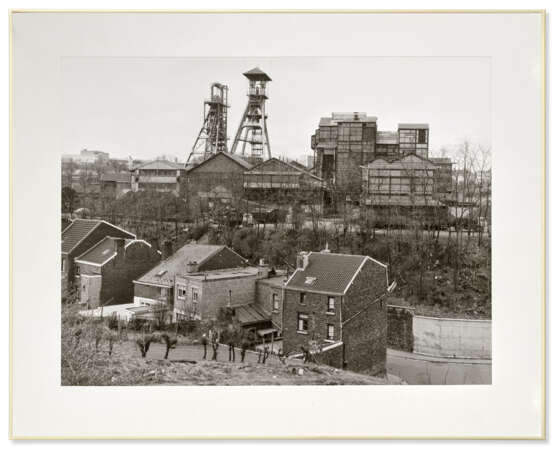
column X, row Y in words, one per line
column 399, row 328
column 264, row 299
column 365, row 321
column 316, row 308
column 119, row 273
column 215, row 294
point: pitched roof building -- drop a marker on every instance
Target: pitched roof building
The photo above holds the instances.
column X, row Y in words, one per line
column 107, row 270
column 80, row 236
column 157, row 286
column 335, row 304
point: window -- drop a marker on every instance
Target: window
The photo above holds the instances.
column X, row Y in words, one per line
column 63, row 264
column 302, row 322
column 302, row 298
column 421, row 136
column 77, row 270
column 331, row 304
column 181, row 291
column 275, row 302
column 331, row 332
column 195, row 294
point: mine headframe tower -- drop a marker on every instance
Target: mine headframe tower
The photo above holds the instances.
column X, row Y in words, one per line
column 252, row 134
column 212, row 137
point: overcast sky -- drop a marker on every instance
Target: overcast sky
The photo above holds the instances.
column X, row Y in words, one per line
column 149, row 107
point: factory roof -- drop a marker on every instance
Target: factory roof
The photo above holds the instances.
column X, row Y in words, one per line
column 159, row 164
column 257, row 74
column 413, row 126
column 337, row 117
column 233, row 157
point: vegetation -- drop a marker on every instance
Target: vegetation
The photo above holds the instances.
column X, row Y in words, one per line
column 94, row 354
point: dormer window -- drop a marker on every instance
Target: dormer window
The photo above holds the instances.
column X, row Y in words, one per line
column 309, row 280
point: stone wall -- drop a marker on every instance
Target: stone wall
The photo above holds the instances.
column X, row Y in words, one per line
column 399, row 328
column 445, row 337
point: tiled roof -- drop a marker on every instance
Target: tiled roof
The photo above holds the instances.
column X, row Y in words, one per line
column 327, row 272
column 76, row 232
column 102, row 251
column 250, row 314
column 164, row 273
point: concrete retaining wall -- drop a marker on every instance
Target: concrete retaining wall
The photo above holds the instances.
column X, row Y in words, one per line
column 447, row 337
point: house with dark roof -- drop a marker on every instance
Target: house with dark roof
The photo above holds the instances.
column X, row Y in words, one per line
column 106, row 271
column 80, row 236
column 157, row 287
column 217, row 179
column 337, row 304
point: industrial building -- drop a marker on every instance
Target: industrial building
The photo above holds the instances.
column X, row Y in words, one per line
column 389, row 168
column 158, row 175
column 410, row 186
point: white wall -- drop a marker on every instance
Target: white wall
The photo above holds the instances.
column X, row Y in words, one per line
column 452, row 337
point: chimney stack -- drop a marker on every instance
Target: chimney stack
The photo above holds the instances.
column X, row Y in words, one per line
column 192, row 267
column 263, row 269
column 302, row 260
column 120, row 249
column 168, row 249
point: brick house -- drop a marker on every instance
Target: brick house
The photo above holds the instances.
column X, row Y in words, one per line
column 269, row 298
column 157, row 286
column 107, row 270
column 80, row 236
column 200, row 295
column 338, row 302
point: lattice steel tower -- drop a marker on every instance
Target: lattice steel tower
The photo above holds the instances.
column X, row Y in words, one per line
column 252, row 129
column 213, row 134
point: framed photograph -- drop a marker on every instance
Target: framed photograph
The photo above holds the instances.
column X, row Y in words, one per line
column 277, row 224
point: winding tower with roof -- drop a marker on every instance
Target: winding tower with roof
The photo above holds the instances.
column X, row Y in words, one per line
column 251, row 140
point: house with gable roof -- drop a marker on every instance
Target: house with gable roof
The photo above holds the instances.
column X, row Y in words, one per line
column 336, row 304
column 107, row 270
column 176, row 281
column 80, row 236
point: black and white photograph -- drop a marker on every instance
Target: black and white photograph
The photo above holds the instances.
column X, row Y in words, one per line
column 243, row 224
column 276, row 221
